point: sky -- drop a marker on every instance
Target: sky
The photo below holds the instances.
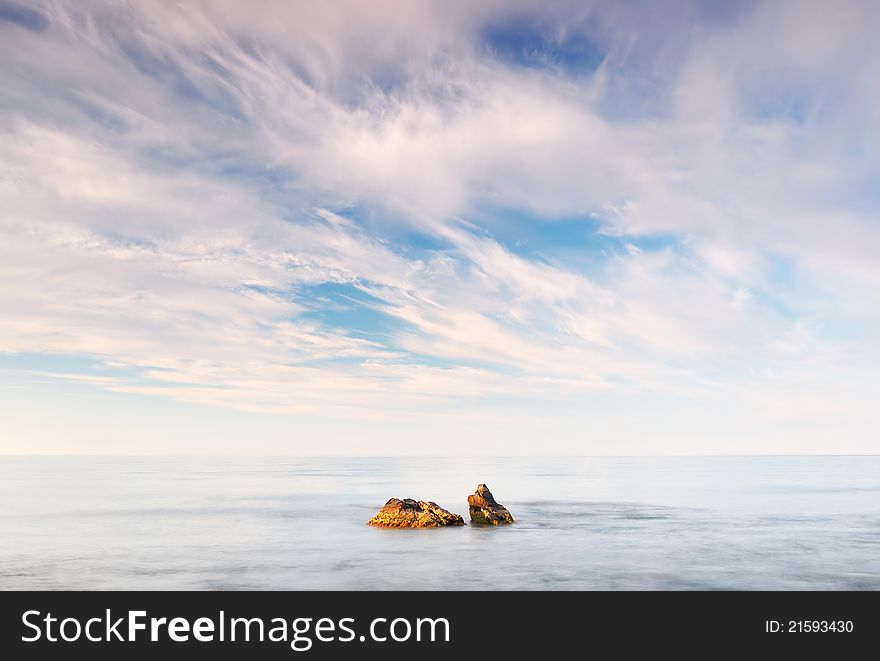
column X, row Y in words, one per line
column 439, row 228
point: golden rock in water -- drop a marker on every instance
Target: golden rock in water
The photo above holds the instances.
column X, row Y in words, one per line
column 484, row 508
column 409, row 513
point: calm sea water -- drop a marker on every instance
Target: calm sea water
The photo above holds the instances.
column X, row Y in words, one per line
column 582, row 523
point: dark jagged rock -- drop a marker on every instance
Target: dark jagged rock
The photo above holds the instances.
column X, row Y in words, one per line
column 409, row 513
column 485, row 509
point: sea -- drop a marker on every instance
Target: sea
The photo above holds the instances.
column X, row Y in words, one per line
column 582, row 523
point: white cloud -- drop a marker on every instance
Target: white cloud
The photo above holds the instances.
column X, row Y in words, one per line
column 168, row 173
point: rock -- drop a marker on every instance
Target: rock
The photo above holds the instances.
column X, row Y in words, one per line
column 484, row 508
column 409, row 513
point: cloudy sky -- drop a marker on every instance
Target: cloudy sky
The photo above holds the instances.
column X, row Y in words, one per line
column 439, row 227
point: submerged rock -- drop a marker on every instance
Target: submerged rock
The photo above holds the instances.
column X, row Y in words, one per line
column 409, row 513
column 485, row 509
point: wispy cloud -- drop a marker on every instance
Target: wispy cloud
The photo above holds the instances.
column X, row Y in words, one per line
column 515, row 207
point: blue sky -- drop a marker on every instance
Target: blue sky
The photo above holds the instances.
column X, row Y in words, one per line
column 439, row 228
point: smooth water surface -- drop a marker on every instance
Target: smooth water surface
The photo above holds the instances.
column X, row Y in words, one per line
column 298, row 523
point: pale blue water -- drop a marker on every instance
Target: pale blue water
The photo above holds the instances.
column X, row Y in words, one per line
column 583, row 523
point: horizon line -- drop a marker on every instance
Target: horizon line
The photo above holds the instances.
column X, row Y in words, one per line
column 446, row 456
